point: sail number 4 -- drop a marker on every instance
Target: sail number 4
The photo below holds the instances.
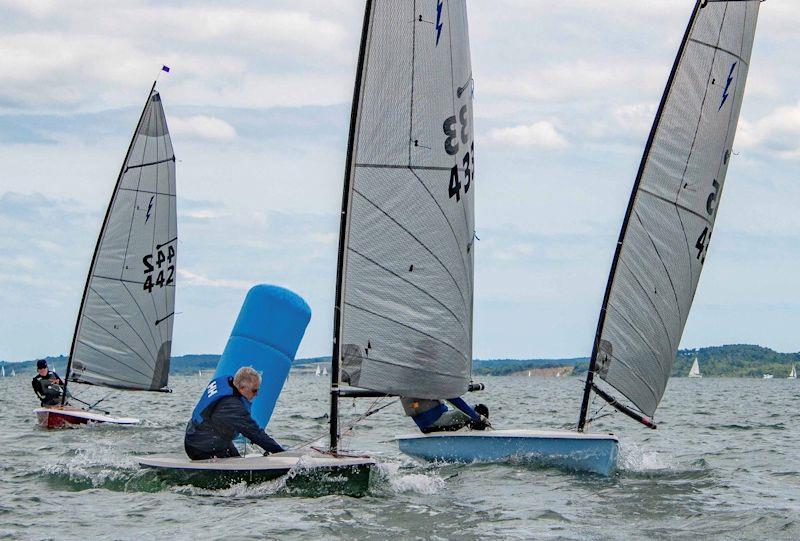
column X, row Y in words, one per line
column 162, row 279
column 452, row 146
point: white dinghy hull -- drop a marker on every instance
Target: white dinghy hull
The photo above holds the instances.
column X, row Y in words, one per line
column 595, row 453
column 59, row 417
column 312, row 473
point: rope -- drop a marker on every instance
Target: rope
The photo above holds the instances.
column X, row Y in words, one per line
column 349, row 427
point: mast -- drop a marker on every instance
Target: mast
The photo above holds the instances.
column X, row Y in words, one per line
column 340, row 271
column 97, row 245
column 590, row 386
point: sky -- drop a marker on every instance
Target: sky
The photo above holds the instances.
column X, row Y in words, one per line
column 258, row 100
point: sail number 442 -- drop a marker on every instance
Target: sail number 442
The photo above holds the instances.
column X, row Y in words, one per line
column 163, row 269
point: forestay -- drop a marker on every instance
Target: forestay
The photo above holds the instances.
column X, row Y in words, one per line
column 670, row 220
column 124, row 330
column 406, row 263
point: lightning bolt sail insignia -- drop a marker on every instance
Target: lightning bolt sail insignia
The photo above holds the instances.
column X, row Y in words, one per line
column 149, row 208
column 439, row 6
column 727, row 86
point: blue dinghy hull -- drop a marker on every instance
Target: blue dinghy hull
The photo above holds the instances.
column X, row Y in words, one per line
column 596, row 453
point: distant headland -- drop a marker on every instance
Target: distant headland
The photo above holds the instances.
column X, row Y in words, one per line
column 733, row 361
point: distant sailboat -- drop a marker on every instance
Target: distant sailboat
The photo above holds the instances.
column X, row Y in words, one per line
column 793, row 373
column 3, row 371
column 123, row 334
column 324, row 371
column 319, row 371
column 694, row 372
column 767, row 376
column 13, row 373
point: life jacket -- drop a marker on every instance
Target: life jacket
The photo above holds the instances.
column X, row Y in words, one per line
column 216, row 389
column 437, row 408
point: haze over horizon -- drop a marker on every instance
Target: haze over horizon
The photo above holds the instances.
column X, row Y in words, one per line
column 258, row 102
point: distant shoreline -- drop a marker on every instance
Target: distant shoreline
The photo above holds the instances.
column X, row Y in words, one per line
column 731, row 361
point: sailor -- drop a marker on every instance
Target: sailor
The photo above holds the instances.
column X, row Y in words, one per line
column 436, row 416
column 223, row 413
column 47, row 385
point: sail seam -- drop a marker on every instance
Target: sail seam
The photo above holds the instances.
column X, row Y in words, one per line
column 669, row 277
column 121, row 341
column 413, row 66
column 472, row 129
column 408, row 327
column 675, row 204
column 411, row 284
column 455, row 282
column 694, row 140
column 415, row 368
column 420, row 167
column 165, row 160
column 640, row 378
column 138, row 183
column 644, row 339
column 112, row 358
column 104, row 374
column 150, row 330
column 453, row 231
column 147, row 191
column 128, row 323
column 718, row 48
column 664, row 325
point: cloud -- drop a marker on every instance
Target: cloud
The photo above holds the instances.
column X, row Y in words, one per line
column 202, row 127
column 778, row 132
column 542, row 134
column 194, row 279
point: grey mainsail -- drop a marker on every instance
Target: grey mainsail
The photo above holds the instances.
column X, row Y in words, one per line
column 403, row 318
column 123, row 335
column 671, row 214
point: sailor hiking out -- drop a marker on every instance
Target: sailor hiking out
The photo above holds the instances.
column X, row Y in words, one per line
column 223, row 413
column 435, row 416
column 47, row 385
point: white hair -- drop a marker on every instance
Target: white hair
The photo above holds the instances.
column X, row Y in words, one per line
column 246, row 376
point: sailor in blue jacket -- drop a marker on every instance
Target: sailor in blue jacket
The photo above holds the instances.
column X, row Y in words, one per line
column 224, row 412
column 435, row 416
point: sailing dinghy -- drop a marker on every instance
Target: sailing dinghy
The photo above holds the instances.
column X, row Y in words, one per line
column 660, row 253
column 123, row 334
column 266, row 336
column 793, row 373
column 694, row 371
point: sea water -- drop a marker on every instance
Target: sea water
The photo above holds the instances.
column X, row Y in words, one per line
column 724, row 463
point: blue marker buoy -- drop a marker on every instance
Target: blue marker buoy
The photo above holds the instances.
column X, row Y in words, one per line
column 266, row 336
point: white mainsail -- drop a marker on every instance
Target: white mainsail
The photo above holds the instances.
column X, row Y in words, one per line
column 694, row 371
column 793, row 373
column 123, row 334
column 403, row 317
column 671, row 213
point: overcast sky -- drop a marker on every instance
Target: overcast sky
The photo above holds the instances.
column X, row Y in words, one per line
column 258, row 101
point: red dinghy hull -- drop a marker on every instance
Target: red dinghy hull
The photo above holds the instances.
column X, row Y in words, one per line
column 58, row 417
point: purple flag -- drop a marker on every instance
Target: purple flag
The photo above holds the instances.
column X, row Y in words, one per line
column 165, row 68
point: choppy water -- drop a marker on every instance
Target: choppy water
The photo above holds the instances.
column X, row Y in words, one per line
column 725, row 463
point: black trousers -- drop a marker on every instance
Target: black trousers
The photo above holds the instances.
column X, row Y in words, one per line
column 203, row 454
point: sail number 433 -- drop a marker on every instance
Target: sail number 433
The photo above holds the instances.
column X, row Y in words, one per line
column 164, row 270
column 456, row 130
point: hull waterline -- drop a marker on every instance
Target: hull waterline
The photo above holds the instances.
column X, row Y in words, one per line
column 595, row 453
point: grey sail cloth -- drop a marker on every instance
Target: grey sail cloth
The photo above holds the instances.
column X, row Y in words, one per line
column 407, row 267
column 124, row 333
column 671, row 218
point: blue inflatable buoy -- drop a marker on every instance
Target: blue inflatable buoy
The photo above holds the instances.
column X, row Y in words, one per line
column 266, row 336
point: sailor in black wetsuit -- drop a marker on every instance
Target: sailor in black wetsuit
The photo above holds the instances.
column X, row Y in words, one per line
column 47, row 385
column 435, row 416
column 224, row 412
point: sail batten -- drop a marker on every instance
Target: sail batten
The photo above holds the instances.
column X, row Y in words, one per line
column 404, row 284
column 670, row 219
column 123, row 338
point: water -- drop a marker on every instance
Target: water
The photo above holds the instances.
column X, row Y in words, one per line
column 725, row 463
